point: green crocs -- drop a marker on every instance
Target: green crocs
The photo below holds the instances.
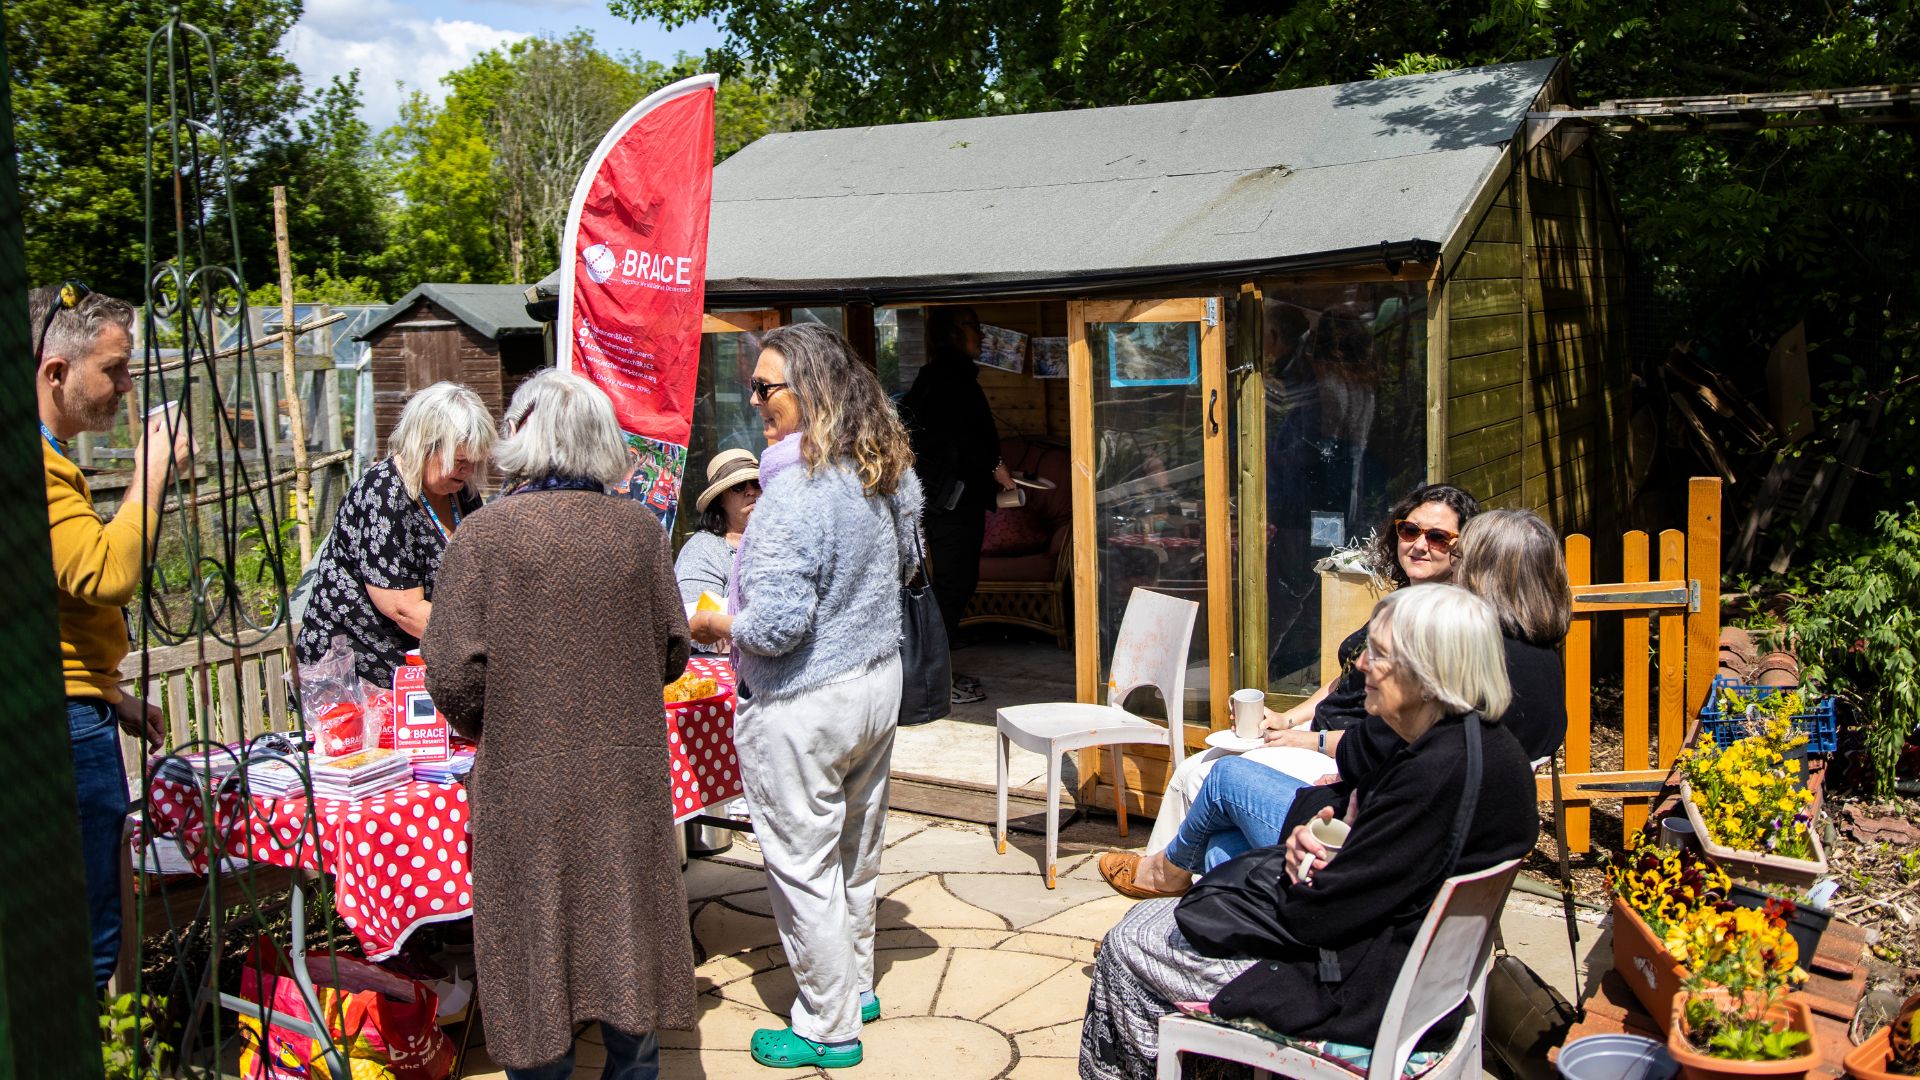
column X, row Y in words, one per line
column 870, row 1011
column 782, row 1049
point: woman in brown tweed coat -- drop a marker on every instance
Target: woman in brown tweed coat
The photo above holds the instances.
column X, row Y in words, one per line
column 556, row 620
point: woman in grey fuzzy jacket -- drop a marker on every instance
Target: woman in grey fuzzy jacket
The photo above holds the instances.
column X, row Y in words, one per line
column 814, row 615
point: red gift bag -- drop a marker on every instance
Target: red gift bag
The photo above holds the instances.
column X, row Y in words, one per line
column 384, row 1021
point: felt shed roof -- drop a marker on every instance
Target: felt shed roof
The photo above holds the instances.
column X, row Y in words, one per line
column 494, row 311
column 1288, row 180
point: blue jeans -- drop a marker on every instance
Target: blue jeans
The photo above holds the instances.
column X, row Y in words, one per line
column 1242, row 805
column 101, row 784
column 629, row 1057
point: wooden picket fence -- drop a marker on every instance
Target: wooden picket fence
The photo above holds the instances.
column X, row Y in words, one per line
column 1667, row 605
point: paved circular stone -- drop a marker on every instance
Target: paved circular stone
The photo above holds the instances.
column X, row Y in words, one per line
column 922, row 1046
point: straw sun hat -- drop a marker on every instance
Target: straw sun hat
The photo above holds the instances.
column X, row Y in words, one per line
column 724, row 470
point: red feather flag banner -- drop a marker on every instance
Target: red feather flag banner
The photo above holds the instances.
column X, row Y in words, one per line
column 633, row 279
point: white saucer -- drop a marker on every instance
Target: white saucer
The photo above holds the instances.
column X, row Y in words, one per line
column 1225, row 739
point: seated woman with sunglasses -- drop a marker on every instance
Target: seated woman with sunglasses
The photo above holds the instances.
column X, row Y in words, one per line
column 1414, row 546
column 1509, row 558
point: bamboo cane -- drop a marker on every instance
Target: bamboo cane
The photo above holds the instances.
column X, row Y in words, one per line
column 289, row 390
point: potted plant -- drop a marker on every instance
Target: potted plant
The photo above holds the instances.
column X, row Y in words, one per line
column 1805, row 922
column 1894, row 1051
column 1654, row 889
column 1733, row 1016
column 1751, row 813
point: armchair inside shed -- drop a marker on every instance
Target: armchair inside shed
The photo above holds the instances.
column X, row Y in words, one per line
column 1237, row 330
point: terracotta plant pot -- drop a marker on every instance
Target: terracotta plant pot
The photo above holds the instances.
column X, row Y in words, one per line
column 1868, row 1061
column 1643, row 961
column 1753, row 865
column 1791, row 1012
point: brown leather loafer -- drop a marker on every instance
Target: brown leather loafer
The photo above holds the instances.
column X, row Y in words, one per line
column 1118, row 868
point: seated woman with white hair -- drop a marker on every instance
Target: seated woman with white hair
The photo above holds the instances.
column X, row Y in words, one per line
column 554, row 599
column 1316, row 956
column 375, row 574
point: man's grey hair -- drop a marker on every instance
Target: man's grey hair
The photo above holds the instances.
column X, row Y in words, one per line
column 441, row 421
column 74, row 331
column 1448, row 641
column 560, row 424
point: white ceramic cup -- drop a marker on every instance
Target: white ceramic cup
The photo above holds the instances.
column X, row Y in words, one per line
column 1331, row 832
column 1249, row 708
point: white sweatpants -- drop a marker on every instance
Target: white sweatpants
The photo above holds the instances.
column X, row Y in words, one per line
column 815, row 771
column 1183, row 787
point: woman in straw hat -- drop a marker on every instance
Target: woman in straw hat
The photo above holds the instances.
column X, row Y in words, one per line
column 706, row 559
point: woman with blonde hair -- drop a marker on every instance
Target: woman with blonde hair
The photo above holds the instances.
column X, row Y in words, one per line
column 373, row 581
column 815, row 620
column 556, row 592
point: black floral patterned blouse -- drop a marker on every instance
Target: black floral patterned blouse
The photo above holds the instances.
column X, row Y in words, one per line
column 385, row 539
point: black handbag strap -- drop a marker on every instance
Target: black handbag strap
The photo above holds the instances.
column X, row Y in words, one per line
column 919, row 556
column 1566, row 881
column 1462, row 819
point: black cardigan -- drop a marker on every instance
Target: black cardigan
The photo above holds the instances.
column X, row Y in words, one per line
column 1537, row 717
column 1368, row 903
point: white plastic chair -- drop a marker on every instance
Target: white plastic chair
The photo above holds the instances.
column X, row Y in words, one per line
column 1151, row 651
column 1448, row 964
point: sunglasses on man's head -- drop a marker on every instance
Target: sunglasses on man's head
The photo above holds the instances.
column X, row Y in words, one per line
column 763, row 390
column 1437, row 539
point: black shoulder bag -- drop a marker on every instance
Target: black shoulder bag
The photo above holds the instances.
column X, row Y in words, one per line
column 1525, row 1016
column 926, row 665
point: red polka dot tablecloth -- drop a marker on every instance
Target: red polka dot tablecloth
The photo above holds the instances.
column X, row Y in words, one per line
column 705, row 769
column 399, row 858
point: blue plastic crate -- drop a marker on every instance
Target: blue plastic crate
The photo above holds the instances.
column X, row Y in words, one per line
column 1821, row 726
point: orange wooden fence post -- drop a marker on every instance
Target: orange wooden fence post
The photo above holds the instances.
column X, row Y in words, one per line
column 1579, row 646
column 1703, row 569
column 1673, row 670
column 1635, row 659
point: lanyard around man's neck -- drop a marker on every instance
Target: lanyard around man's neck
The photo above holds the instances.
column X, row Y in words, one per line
column 47, row 434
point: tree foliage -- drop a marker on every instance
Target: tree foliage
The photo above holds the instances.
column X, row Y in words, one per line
column 78, row 74
column 1855, row 619
column 483, row 180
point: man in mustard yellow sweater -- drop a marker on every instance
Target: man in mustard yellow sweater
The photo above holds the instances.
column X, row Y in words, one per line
column 97, row 568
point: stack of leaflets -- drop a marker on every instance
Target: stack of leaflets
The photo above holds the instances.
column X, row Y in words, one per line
column 275, row 777
column 457, row 766
column 200, row 766
column 360, row 774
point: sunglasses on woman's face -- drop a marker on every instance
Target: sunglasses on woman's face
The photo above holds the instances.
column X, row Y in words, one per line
column 762, row 390
column 1437, row 539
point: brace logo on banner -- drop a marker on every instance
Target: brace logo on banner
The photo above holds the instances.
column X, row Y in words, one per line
column 632, row 296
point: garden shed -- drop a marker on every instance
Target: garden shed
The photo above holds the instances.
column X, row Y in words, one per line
column 478, row 335
column 1248, row 324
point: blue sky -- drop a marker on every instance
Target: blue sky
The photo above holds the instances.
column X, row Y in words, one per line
column 403, row 45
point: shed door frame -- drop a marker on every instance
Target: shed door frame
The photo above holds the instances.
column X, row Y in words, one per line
column 1208, row 314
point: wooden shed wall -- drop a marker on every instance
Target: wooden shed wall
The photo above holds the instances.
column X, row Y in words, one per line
column 1536, row 348
column 408, row 360
column 1574, row 462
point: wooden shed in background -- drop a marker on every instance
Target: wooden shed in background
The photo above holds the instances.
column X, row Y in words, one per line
column 477, row 335
column 1264, row 319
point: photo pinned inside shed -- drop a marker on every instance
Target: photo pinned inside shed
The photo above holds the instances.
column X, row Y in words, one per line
column 1346, row 435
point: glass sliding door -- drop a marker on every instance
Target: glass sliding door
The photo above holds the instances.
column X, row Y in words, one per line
column 1149, row 436
column 723, row 418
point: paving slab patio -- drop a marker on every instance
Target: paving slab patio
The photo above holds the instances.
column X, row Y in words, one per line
column 982, row 971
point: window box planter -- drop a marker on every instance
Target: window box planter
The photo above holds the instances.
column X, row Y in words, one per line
column 1790, row 1012
column 1643, row 961
column 1754, row 865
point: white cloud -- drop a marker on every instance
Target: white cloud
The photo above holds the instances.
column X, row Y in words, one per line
column 396, row 51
